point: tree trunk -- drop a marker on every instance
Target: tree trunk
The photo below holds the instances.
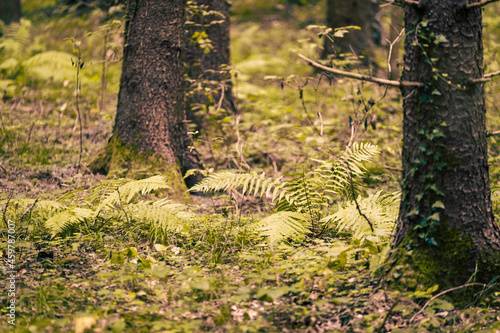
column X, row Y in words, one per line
column 446, row 214
column 10, row 11
column 361, row 13
column 150, row 118
column 211, row 66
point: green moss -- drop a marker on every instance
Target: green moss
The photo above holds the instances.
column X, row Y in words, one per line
column 120, row 161
column 452, row 263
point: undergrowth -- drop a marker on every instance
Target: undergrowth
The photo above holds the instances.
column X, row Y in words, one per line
column 291, row 225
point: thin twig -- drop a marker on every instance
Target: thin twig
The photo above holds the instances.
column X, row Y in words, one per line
column 486, row 77
column 391, row 45
column 6, row 208
column 77, row 100
column 381, row 327
column 121, row 206
column 492, row 134
column 361, row 77
column 354, row 196
column 445, row 292
column 28, row 209
column 392, row 168
column 480, row 3
column 346, row 162
column 402, row 2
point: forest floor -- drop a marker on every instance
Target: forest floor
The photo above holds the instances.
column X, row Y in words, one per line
column 213, row 270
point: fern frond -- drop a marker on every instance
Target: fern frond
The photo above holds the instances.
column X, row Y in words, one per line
column 381, row 210
column 126, row 192
column 251, row 183
column 162, row 216
column 67, row 219
column 316, row 190
column 44, row 205
column 105, row 188
column 283, row 225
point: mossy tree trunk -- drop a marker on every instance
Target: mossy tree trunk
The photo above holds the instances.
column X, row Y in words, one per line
column 150, row 120
column 10, row 11
column 361, row 13
column 209, row 64
column 446, row 217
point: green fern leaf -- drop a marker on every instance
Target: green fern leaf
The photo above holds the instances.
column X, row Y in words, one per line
column 381, row 210
column 126, row 192
column 67, row 219
column 161, row 216
column 283, row 225
column 250, row 183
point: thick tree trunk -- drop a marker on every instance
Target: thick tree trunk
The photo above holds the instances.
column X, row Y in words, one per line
column 446, row 213
column 211, row 66
column 150, row 117
column 10, row 11
column 361, row 13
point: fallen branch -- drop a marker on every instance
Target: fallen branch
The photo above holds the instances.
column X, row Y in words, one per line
column 361, row 77
column 480, row 3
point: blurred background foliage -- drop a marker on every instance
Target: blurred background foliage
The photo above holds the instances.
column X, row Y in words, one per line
column 283, row 104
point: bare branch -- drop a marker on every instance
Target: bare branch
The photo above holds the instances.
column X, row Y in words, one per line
column 442, row 293
column 492, row 133
column 480, row 3
column 486, row 77
column 402, row 2
column 361, row 77
column 391, row 45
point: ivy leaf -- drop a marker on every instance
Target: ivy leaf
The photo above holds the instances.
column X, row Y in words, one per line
column 413, row 212
column 432, row 241
column 438, row 204
column 434, row 217
column 441, row 39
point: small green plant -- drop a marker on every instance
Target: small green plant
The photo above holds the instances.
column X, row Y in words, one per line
column 305, row 202
column 88, row 210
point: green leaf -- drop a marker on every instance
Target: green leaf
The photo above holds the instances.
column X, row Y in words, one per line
column 441, row 39
column 438, row 204
column 413, row 212
column 434, row 217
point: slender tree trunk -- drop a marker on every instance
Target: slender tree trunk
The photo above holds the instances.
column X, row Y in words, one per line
column 214, row 65
column 361, row 13
column 446, row 214
column 150, row 117
column 10, row 11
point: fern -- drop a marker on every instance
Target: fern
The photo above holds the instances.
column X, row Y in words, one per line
column 67, row 219
column 44, row 205
column 308, row 195
column 381, row 210
column 125, row 193
column 283, row 225
column 162, row 215
column 229, row 180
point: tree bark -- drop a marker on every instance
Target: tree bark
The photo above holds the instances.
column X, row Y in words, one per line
column 361, row 13
column 150, row 116
column 212, row 66
column 10, row 11
column 446, row 214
